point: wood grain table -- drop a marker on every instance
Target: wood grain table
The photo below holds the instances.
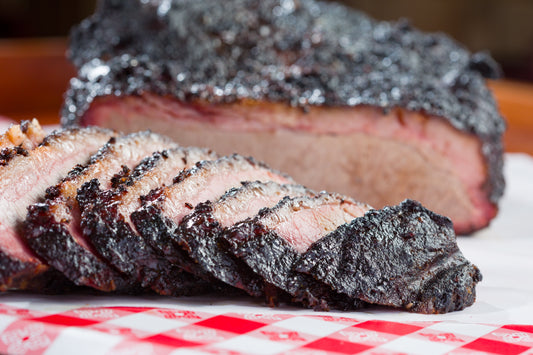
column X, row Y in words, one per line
column 34, row 74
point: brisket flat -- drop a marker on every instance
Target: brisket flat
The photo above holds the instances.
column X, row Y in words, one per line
column 163, row 209
column 200, row 232
column 395, row 113
column 24, row 181
column 273, row 241
column 108, row 227
column 404, row 256
column 52, row 228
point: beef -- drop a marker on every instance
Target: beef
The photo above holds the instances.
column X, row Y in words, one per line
column 52, row 227
column 395, row 113
column 106, row 223
column 163, row 209
column 26, row 135
column 271, row 242
column 403, row 256
column 200, row 232
column 24, row 181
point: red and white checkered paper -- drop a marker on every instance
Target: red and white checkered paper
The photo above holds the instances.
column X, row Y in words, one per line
column 149, row 330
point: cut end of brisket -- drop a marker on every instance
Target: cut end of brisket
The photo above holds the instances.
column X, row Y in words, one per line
column 403, row 256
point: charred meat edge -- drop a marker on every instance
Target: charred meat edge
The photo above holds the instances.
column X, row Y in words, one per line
column 163, row 209
column 403, row 256
column 53, row 227
column 270, row 249
column 24, row 181
column 113, row 235
column 200, row 232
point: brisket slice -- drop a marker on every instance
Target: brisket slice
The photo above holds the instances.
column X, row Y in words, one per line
column 24, row 181
column 200, row 232
column 107, row 223
column 163, row 209
column 53, row 226
column 394, row 112
column 404, row 256
column 273, row 241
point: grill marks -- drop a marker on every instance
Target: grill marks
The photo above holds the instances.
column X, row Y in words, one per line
column 183, row 221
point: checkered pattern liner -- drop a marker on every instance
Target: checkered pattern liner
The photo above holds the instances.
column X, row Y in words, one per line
column 146, row 330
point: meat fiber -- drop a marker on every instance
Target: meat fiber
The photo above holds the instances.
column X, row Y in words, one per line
column 52, row 228
column 386, row 111
column 271, row 242
column 24, row 181
column 403, row 256
column 163, row 209
column 200, row 232
column 106, row 222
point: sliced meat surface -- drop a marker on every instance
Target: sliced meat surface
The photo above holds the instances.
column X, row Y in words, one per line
column 164, row 208
column 53, row 227
column 403, row 256
column 394, row 112
column 26, row 135
column 200, row 232
column 106, row 223
column 24, row 181
column 274, row 240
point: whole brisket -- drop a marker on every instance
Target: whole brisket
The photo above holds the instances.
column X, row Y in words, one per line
column 52, row 228
column 387, row 111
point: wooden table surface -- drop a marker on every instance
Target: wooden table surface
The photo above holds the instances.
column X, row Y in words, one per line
column 34, row 74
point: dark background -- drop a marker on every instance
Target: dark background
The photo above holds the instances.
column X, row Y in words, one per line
column 503, row 27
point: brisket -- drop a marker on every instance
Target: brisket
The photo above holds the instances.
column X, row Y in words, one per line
column 403, row 256
column 24, row 181
column 107, row 223
column 273, row 241
column 52, row 228
column 394, row 112
column 200, row 232
column 163, row 209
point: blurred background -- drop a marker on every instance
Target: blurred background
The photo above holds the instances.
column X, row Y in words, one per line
column 503, row 27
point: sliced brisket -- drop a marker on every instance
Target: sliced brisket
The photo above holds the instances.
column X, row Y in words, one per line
column 163, row 209
column 24, row 181
column 395, row 113
column 52, row 228
column 403, row 256
column 273, row 241
column 200, row 232
column 107, row 222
